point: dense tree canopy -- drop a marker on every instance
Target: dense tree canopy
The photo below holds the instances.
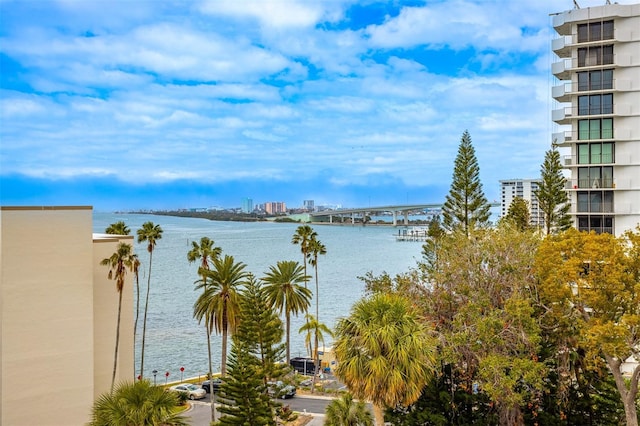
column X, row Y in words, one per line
column 590, row 288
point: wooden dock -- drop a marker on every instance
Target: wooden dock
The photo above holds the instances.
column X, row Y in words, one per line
column 413, row 234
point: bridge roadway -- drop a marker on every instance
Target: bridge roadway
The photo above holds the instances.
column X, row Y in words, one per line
column 393, row 209
column 381, row 209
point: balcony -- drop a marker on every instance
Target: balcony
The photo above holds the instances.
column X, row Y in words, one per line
column 569, row 137
column 563, row 115
column 563, row 69
column 581, row 184
column 563, row 92
column 562, row 46
column 584, row 160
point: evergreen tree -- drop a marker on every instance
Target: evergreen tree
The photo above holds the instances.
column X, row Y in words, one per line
column 518, row 213
column 261, row 327
column 243, row 394
column 255, row 355
column 466, row 205
column 553, row 201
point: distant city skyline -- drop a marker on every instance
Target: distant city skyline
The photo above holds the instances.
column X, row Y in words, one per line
column 165, row 105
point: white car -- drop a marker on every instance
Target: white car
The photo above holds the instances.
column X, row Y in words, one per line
column 194, row 392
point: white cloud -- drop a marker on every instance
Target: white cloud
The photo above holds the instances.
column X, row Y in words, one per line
column 277, row 14
column 228, row 89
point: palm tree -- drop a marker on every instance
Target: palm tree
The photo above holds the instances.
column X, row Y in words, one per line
column 118, row 228
column 383, row 352
column 284, row 292
column 317, row 328
column 303, row 235
column 205, row 251
column 118, row 263
column 121, row 228
column 219, row 303
column 344, row 411
column 316, row 248
column 137, row 404
column 150, row 234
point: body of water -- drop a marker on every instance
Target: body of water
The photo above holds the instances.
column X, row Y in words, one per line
column 175, row 339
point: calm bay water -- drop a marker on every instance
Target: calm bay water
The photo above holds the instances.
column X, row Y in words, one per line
column 174, row 339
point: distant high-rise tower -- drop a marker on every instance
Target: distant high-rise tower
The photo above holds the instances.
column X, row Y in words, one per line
column 599, row 48
column 525, row 189
column 247, row 205
column 308, row 205
column 274, row 207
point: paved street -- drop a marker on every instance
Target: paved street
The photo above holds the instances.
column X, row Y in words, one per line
column 200, row 411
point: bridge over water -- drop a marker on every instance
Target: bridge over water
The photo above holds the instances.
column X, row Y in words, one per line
column 404, row 209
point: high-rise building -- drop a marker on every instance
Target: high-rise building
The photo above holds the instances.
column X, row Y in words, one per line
column 274, row 207
column 308, row 205
column 599, row 92
column 525, row 189
column 247, row 205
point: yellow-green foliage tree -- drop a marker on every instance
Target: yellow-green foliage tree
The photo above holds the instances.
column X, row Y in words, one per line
column 480, row 300
column 590, row 290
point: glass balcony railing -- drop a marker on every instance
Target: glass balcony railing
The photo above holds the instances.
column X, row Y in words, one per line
column 597, row 183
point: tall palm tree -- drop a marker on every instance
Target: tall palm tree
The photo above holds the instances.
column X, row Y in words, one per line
column 121, row 228
column 303, row 235
column 318, row 329
column 219, row 303
column 150, row 234
column 344, row 411
column 284, row 292
column 119, row 262
column 316, row 248
column 118, row 228
column 137, row 404
column 384, row 352
column 205, row 251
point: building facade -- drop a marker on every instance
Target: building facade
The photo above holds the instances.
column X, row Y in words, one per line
column 598, row 89
column 525, row 189
column 275, row 207
column 58, row 312
column 247, row 205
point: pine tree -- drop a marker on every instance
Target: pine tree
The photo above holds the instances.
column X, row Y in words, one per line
column 243, row 395
column 466, row 205
column 256, row 350
column 518, row 213
column 262, row 327
column 553, row 201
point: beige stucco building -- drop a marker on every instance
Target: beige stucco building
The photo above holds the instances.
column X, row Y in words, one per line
column 58, row 314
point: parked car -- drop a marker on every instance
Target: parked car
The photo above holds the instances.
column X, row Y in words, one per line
column 303, row 365
column 280, row 390
column 217, row 382
column 193, row 391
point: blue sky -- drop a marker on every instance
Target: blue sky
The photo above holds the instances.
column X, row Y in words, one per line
column 172, row 104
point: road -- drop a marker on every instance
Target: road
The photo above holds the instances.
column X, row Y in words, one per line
column 200, row 412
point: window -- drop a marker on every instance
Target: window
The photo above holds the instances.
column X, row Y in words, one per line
column 595, row 129
column 600, row 224
column 596, row 153
column 594, row 31
column 595, row 80
column 595, row 55
column 595, row 104
column 595, row 202
column 595, row 177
